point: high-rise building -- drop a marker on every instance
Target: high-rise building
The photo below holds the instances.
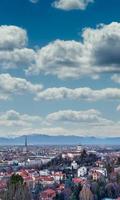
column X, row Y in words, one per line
column 26, row 144
column 25, row 149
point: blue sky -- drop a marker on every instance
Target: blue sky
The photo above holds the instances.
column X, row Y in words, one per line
column 59, row 67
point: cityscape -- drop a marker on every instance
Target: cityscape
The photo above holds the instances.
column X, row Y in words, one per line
column 59, row 100
column 59, row 172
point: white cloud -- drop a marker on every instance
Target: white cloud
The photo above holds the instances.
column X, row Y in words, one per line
column 15, row 120
column 71, row 4
column 66, row 122
column 14, row 123
column 118, row 108
column 97, row 53
column 87, row 94
column 104, row 45
column 89, row 116
column 17, row 58
column 116, row 78
column 13, row 48
column 12, row 37
column 65, row 59
column 10, row 86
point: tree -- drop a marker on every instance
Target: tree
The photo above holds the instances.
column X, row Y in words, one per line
column 60, row 196
column 102, row 184
column 68, row 182
column 112, row 190
column 109, row 168
column 67, row 193
column 86, row 193
column 22, row 194
column 118, row 178
column 17, row 189
column 83, row 153
column 16, row 179
column 95, row 189
column 75, row 192
column 73, row 197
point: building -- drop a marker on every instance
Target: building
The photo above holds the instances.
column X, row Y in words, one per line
column 48, row 194
column 79, row 148
column 82, row 171
column 25, row 149
column 74, row 165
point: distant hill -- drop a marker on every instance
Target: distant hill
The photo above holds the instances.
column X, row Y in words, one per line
column 37, row 139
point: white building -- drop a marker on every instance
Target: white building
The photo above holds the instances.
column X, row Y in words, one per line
column 82, row 171
column 79, row 148
column 58, row 176
column 74, row 165
column 103, row 171
column 44, row 172
column 34, row 161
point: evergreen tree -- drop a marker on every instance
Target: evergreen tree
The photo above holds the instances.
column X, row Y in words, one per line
column 17, row 189
column 73, row 197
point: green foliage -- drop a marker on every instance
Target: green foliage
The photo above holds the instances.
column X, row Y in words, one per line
column 73, row 197
column 16, row 179
column 16, row 189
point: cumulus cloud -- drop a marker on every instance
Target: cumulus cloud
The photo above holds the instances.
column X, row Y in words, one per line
column 104, row 44
column 14, row 119
column 89, row 116
column 65, row 59
column 15, row 123
column 116, row 78
column 10, row 86
column 97, row 53
column 17, row 58
column 87, row 94
column 64, row 122
column 13, row 48
column 72, row 4
column 118, row 108
column 12, row 37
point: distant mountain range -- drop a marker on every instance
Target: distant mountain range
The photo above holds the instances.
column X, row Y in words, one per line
column 37, row 139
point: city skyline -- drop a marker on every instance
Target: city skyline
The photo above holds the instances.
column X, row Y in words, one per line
column 59, row 67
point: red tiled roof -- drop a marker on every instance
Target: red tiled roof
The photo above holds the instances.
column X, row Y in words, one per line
column 46, row 178
column 48, row 193
column 61, row 187
column 3, row 185
column 77, row 180
column 28, row 178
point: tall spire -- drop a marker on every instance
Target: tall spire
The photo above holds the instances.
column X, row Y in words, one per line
column 26, row 143
column 26, row 150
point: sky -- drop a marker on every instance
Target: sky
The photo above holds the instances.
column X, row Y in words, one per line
column 60, row 67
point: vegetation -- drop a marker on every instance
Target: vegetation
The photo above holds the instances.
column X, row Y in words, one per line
column 16, row 189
